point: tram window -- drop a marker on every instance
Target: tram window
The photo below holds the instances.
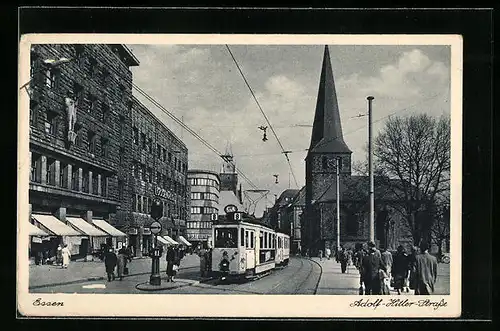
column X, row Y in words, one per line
column 251, row 240
column 242, row 235
column 265, row 239
column 246, row 240
column 226, row 238
column 261, row 240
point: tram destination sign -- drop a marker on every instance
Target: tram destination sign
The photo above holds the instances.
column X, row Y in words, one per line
column 155, row 227
column 230, row 209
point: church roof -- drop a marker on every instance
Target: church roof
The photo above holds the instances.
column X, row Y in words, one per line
column 286, row 197
column 300, row 198
column 327, row 129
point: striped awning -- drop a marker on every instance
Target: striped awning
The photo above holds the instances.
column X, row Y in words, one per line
column 108, row 228
column 34, row 231
column 162, row 240
column 184, row 241
column 85, row 227
column 55, row 226
column 171, row 241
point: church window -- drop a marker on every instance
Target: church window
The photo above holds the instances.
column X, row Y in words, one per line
column 324, row 162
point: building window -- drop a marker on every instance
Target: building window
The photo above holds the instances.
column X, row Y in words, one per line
column 74, row 178
column 105, row 77
column 95, row 184
column 122, row 155
column 33, row 112
column 149, row 178
column 104, row 186
column 85, row 181
column 122, row 91
column 150, row 203
column 51, row 171
column 143, row 174
column 169, row 157
column 93, row 67
column 122, row 124
column 158, row 151
column 35, row 168
column 51, row 78
column 324, row 162
column 149, row 145
column 51, row 123
column 91, row 141
column 79, row 137
column 158, row 178
column 105, row 113
column 92, row 103
column 105, row 147
column 136, row 135
column 195, row 210
column 78, row 91
column 143, row 140
column 33, row 64
column 163, row 154
column 63, row 178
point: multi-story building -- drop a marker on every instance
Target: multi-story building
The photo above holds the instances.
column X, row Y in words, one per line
column 157, row 169
column 204, row 186
column 79, row 110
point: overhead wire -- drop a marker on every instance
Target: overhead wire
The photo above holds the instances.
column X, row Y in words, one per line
column 264, row 114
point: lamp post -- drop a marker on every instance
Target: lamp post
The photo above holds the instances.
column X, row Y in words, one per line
column 370, row 170
column 339, row 160
column 156, row 214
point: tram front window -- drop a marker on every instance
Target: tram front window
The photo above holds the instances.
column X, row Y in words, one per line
column 226, row 238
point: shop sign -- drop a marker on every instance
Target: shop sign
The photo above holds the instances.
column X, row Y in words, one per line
column 147, row 231
column 162, row 193
column 132, row 231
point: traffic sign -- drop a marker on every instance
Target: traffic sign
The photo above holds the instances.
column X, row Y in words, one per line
column 214, row 217
column 155, row 227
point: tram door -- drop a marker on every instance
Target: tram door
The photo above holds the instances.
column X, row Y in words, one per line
column 250, row 248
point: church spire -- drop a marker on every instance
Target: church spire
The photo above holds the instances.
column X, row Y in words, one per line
column 327, row 130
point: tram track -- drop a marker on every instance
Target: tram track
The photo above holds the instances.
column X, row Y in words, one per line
column 300, row 286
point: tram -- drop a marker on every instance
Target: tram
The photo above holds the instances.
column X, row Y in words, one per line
column 251, row 249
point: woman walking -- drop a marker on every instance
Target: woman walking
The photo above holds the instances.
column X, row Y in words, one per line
column 66, row 255
column 400, row 269
column 171, row 262
column 121, row 263
column 203, row 261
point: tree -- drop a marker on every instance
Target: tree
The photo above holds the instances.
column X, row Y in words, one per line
column 413, row 154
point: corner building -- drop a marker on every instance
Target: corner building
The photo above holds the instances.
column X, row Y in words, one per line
column 204, row 186
column 157, row 169
column 76, row 152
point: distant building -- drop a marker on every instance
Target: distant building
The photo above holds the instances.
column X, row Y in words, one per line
column 204, row 187
column 284, row 217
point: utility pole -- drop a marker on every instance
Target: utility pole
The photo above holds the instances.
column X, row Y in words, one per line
column 338, row 203
column 370, row 170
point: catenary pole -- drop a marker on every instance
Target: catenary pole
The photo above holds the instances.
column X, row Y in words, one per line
column 370, row 170
column 338, row 203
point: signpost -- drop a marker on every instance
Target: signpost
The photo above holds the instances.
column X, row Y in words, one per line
column 156, row 227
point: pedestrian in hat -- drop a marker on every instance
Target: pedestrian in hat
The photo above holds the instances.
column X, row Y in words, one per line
column 426, row 271
column 110, row 261
column 372, row 264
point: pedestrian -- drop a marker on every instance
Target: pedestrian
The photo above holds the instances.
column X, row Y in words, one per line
column 66, row 255
column 426, row 271
column 171, row 258
column 110, row 261
column 412, row 267
column 343, row 259
column 320, row 255
column 387, row 260
column 328, row 252
column 400, row 269
column 59, row 255
column 203, row 262
column 121, row 263
column 358, row 263
column 371, row 265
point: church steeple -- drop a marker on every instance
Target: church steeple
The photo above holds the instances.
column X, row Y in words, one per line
column 327, row 130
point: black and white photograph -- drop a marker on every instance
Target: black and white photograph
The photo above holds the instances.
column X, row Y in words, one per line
column 207, row 170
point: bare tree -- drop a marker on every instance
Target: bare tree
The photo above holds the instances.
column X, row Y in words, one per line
column 413, row 153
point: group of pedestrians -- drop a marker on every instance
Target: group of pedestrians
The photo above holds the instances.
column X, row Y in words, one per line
column 118, row 260
column 174, row 256
column 379, row 270
column 205, row 255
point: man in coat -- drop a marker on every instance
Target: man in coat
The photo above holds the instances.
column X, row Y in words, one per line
column 426, row 271
column 371, row 266
column 110, row 260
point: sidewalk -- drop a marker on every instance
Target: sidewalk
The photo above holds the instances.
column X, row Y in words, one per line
column 80, row 271
column 334, row 282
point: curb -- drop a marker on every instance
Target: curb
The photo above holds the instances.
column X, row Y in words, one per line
column 320, row 275
column 90, row 279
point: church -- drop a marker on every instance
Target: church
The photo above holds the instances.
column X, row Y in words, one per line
column 327, row 150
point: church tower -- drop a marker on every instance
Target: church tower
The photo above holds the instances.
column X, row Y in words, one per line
column 327, row 146
column 228, row 175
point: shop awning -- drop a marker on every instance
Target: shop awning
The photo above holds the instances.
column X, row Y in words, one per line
column 85, row 227
column 55, row 226
column 171, row 241
column 108, row 228
column 184, row 241
column 163, row 240
column 34, row 231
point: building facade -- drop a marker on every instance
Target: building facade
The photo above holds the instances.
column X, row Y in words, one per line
column 78, row 115
column 204, row 190
column 157, row 163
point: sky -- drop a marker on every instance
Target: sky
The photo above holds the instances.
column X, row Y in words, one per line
column 201, row 85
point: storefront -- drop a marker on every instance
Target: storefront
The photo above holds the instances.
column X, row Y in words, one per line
column 90, row 245
column 115, row 238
